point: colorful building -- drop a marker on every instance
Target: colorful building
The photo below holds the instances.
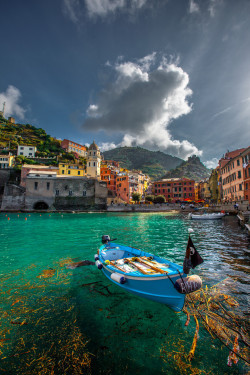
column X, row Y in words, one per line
column 213, row 186
column 122, row 187
column 6, row 161
column 175, row 189
column 72, row 169
column 109, row 174
column 246, row 173
column 232, row 175
column 71, row 146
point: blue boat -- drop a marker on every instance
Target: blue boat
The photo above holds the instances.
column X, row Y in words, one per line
column 147, row 275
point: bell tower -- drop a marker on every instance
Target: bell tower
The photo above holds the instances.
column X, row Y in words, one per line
column 94, row 161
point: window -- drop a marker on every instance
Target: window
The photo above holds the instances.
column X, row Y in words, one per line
column 89, row 164
column 239, row 174
column 21, row 153
column 68, row 172
column 48, row 185
column 63, row 171
column 70, row 192
column 79, row 173
column 238, row 162
column 94, row 163
column 21, row 148
column 35, row 185
column 57, row 192
column 240, row 186
column 31, row 148
column 30, row 153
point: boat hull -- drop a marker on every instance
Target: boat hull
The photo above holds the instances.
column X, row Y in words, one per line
column 158, row 289
column 207, row 216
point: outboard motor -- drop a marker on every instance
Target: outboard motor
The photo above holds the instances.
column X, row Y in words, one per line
column 105, row 239
column 188, row 284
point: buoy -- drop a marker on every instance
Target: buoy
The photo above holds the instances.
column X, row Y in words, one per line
column 188, row 284
column 17, row 215
column 8, row 218
column 98, row 264
column 118, row 278
column 107, row 262
column 96, row 257
column 25, row 218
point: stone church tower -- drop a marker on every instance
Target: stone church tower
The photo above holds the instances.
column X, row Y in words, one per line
column 94, row 161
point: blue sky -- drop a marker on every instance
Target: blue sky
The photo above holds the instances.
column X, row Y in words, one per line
column 161, row 74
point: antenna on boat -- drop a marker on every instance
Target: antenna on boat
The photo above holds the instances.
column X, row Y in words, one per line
column 190, row 230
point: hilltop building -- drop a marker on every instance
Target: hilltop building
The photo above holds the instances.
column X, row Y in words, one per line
column 27, row 151
column 70, row 146
column 94, row 161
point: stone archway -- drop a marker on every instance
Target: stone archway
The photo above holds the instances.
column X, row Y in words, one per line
column 40, row 205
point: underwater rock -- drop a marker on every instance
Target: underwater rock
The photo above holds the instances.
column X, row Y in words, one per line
column 72, row 266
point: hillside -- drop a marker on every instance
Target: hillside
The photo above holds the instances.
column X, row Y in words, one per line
column 152, row 163
column 192, row 168
column 12, row 135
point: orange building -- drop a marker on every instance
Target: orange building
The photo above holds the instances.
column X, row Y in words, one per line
column 122, row 187
column 232, row 175
column 71, row 146
column 175, row 189
column 109, row 175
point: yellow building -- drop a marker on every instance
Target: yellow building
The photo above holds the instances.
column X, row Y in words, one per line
column 70, row 169
column 196, row 191
column 6, row 161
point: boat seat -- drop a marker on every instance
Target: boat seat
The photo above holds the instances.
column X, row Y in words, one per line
column 113, row 254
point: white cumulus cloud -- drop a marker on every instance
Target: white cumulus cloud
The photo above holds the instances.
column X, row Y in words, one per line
column 73, row 9
column 193, row 7
column 141, row 102
column 211, row 164
column 11, row 98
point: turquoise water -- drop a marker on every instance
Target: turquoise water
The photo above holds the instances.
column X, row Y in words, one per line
column 49, row 320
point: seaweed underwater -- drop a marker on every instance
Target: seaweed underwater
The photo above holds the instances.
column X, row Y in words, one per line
column 31, row 342
column 213, row 310
column 40, row 331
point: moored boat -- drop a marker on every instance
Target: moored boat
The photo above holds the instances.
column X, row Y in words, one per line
column 148, row 275
column 207, row 216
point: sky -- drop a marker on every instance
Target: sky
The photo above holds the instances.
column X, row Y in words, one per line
column 168, row 75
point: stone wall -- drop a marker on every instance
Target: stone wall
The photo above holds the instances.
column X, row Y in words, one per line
column 13, row 198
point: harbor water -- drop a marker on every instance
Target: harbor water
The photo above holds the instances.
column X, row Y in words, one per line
column 57, row 320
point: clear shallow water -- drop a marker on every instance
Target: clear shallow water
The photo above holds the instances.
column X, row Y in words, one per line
column 125, row 334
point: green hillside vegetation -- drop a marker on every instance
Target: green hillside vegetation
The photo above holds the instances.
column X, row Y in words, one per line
column 12, row 135
column 192, row 168
column 152, row 163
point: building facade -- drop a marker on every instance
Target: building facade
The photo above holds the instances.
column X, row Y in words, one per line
column 232, row 176
column 51, row 191
column 6, row 161
column 27, row 168
column 72, row 169
column 71, row 146
column 175, row 189
column 246, row 173
column 27, row 151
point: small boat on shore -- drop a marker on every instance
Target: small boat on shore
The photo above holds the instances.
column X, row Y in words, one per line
column 207, row 216
column 148, row 275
